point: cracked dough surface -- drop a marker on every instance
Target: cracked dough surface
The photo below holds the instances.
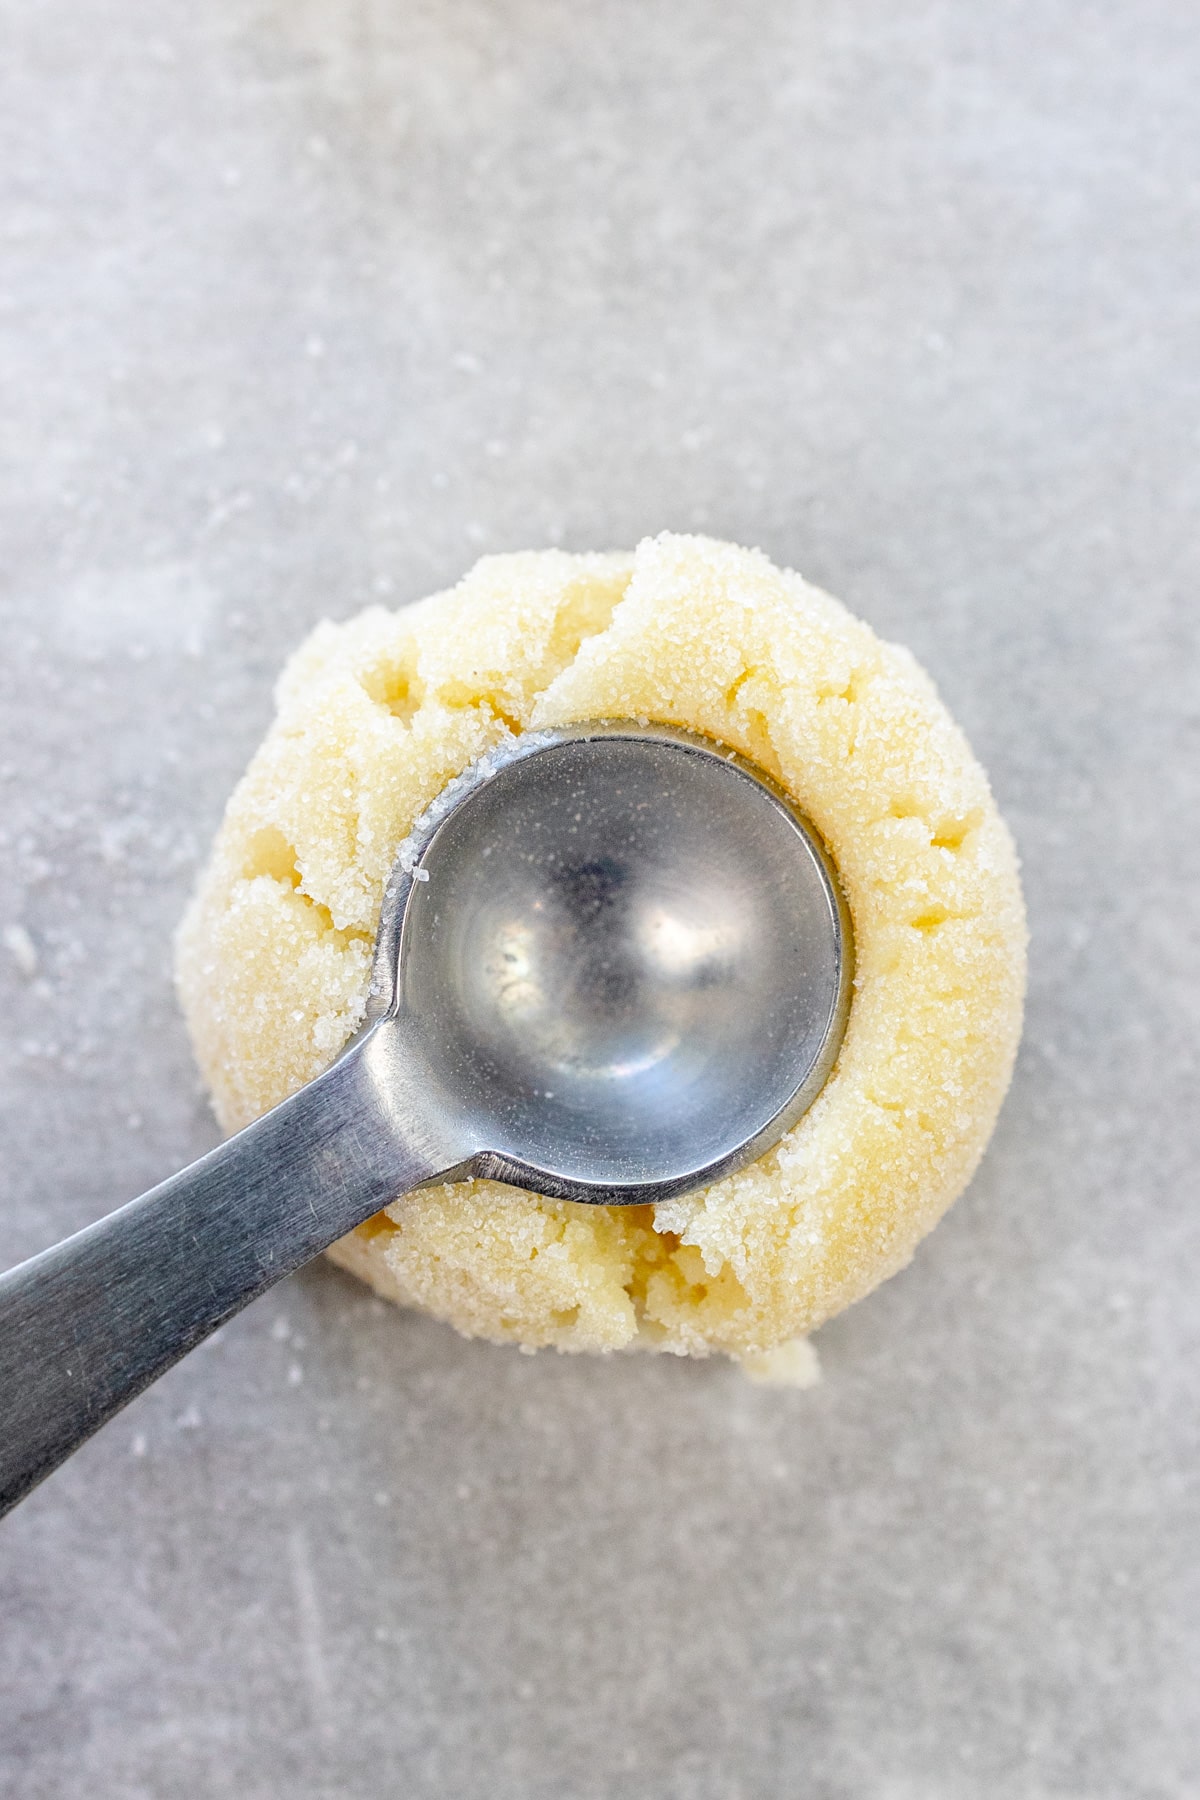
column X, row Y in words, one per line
column 376, row 715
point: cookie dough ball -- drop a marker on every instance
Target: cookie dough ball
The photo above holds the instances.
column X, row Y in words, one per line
column 374, row 718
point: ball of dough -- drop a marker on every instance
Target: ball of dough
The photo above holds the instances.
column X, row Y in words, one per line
column 374, row 718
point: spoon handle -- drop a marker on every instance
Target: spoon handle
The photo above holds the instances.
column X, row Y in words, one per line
column 88, row 1324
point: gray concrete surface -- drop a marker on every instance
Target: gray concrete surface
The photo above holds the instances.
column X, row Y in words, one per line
column 302, row 305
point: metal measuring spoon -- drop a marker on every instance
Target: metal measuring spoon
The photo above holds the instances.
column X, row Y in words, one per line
column 613, row 964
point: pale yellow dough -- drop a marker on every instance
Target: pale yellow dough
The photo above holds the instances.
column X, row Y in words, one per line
column 376, row 715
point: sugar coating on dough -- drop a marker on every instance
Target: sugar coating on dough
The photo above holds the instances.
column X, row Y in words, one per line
column 375, row 716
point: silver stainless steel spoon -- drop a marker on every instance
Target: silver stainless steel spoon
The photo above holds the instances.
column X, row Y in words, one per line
column 613, row 964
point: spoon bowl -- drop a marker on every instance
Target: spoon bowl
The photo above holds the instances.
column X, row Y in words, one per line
column 623, row 956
